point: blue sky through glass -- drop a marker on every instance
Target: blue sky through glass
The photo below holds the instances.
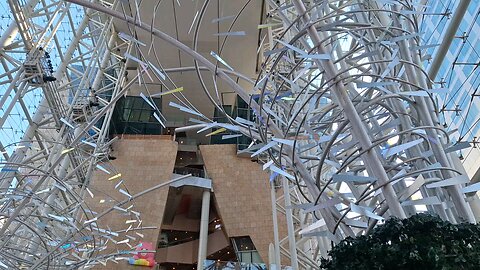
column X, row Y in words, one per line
column 16, row 123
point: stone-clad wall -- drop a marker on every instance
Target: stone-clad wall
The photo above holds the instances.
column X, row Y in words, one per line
column 242, row 194
column 143, row 161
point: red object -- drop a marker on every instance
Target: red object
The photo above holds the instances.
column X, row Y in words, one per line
column 144, row 258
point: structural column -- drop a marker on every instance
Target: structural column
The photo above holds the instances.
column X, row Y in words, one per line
column 437, row 62
column 19, row 154
column 203, row 239
column 372, row 161
column 291, row 231
column 447, row 40
column 276, row 249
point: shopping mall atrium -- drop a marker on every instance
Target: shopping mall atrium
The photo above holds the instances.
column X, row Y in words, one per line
column 230, row 134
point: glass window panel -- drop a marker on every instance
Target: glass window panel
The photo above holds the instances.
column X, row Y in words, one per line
column 145, row 116
column 126, row 114
column 127, row 103
column 138, row 103
column 158, row 102
column 134, row 116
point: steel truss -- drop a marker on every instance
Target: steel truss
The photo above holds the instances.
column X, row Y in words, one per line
column 345, row 121
column 46, row 223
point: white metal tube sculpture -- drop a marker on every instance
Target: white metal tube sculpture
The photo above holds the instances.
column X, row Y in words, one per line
column 342, row 114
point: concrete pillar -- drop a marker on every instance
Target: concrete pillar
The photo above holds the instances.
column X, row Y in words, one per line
column 203, row 239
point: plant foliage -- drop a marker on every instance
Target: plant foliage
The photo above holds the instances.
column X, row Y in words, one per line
column 419, row 242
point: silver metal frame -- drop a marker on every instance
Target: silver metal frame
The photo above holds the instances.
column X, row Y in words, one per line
column 345, row 121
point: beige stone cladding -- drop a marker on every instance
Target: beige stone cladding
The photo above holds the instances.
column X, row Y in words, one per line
column 242, row 195
column 143, row 161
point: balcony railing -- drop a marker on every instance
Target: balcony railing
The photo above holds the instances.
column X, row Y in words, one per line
column 220, row 265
